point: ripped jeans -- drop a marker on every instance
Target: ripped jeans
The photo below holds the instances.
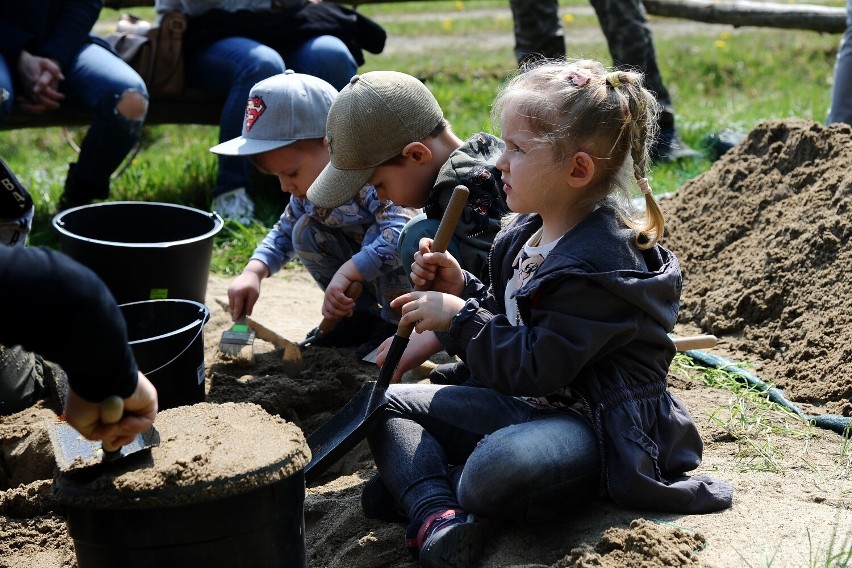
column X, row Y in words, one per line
column 493, row 455
column 95, row 83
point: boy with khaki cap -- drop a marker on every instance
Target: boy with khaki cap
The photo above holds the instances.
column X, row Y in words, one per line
column 354, row 240
column 386, row 129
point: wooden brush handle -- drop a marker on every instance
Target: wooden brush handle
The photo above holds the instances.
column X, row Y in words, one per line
column 327, row 324
column 695, row 342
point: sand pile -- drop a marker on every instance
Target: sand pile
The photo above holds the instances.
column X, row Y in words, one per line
column 764, row 240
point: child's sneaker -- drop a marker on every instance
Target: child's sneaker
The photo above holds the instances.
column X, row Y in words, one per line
column 235, row 205
column 449, row 374
column 452, row 539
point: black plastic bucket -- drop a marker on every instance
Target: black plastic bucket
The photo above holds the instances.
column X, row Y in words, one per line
column 167, row 340
column 261, row 528
column 142, row 250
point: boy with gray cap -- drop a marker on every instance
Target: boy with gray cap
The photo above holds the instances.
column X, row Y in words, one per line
column 353, row 240
column 386, row 128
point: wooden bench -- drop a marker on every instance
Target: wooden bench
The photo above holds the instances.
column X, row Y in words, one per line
column 198, row 107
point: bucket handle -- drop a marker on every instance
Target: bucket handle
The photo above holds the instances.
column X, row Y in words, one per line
column 203, row 321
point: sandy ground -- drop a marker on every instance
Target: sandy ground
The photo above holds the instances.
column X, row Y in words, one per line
column 793, row 489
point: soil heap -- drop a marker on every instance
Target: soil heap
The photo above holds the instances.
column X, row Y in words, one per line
column 763, row 238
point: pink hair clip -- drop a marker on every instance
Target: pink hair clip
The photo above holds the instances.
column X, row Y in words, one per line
column 578, row 77
column 644, row 185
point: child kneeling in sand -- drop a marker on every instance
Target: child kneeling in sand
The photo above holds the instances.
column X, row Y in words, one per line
column 355, row 241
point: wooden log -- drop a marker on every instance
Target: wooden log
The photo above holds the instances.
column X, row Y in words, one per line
column 736, row 13
column 746, row 13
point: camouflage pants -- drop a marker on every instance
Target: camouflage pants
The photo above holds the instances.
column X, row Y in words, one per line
column 21, row 379
column 538, row 30
column 323, row 250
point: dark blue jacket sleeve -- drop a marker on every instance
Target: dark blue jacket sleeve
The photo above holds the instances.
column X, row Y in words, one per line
column 58, row 308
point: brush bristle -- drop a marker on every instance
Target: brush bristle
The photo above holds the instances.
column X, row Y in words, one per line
column 237, row 342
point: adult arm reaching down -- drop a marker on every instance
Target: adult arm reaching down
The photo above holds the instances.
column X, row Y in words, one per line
column 63, row 311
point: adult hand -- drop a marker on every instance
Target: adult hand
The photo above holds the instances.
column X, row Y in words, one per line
column 93, row 421
column 420, row 347
column 40, row 79
column 439, row 270
column 428, row 311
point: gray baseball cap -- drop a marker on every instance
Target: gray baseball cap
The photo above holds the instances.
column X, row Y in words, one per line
column 281, row 110
column 373, row 118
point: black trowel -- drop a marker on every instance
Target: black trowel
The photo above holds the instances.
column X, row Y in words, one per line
column 75, row 454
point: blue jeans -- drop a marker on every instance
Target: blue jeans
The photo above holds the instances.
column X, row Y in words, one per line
column 232, row 66
column 841, row 94
column 470, row 447
column 95, row 82
column 323, row 250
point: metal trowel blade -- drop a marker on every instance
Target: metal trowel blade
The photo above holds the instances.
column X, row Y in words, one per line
column 371, row 356
column 74, row 453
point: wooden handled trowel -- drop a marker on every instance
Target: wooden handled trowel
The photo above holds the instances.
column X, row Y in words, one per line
column 77, row 455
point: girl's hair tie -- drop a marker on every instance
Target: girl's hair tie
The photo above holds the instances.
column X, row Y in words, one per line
column 644, row 186
column 614, row 79
column 575, row 75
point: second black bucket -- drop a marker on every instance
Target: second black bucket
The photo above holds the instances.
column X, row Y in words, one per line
column 168, row 342
column 142, row 250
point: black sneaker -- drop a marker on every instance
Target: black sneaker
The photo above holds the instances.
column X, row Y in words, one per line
column 349, row 332
column 378, row 503
column 718, row 143
column 381, row 332
column 452, row 539
column 449, row 374
column 15, row 200
column 670, row 148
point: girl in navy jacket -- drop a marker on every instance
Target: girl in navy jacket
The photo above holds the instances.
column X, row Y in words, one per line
column 568, row 347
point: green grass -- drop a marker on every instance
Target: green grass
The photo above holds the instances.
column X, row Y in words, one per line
column 749, row 418
column 735, row 79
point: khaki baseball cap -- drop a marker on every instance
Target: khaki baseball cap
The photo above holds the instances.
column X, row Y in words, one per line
column 281, row 110
column 373, row 118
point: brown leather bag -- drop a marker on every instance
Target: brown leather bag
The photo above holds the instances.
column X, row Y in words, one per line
column 153, row 50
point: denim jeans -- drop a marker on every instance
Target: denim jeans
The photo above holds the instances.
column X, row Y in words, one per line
column 470, row 447
column 232, row 66
column 323, row 250
column 841, row 94
column 95, row 82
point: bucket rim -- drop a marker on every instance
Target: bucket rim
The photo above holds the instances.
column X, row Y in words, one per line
column 218, row 224
column 202, row 308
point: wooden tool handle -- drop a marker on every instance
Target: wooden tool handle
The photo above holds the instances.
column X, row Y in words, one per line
column 442, row 238
column 450, row 219
column 327, row 324
column 260, row 330
column 695, row 342
column 112, row 409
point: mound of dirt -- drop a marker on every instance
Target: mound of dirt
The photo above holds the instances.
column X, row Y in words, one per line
column 763, row 238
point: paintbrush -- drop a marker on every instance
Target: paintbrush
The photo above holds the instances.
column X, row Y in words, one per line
column 238, row 341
